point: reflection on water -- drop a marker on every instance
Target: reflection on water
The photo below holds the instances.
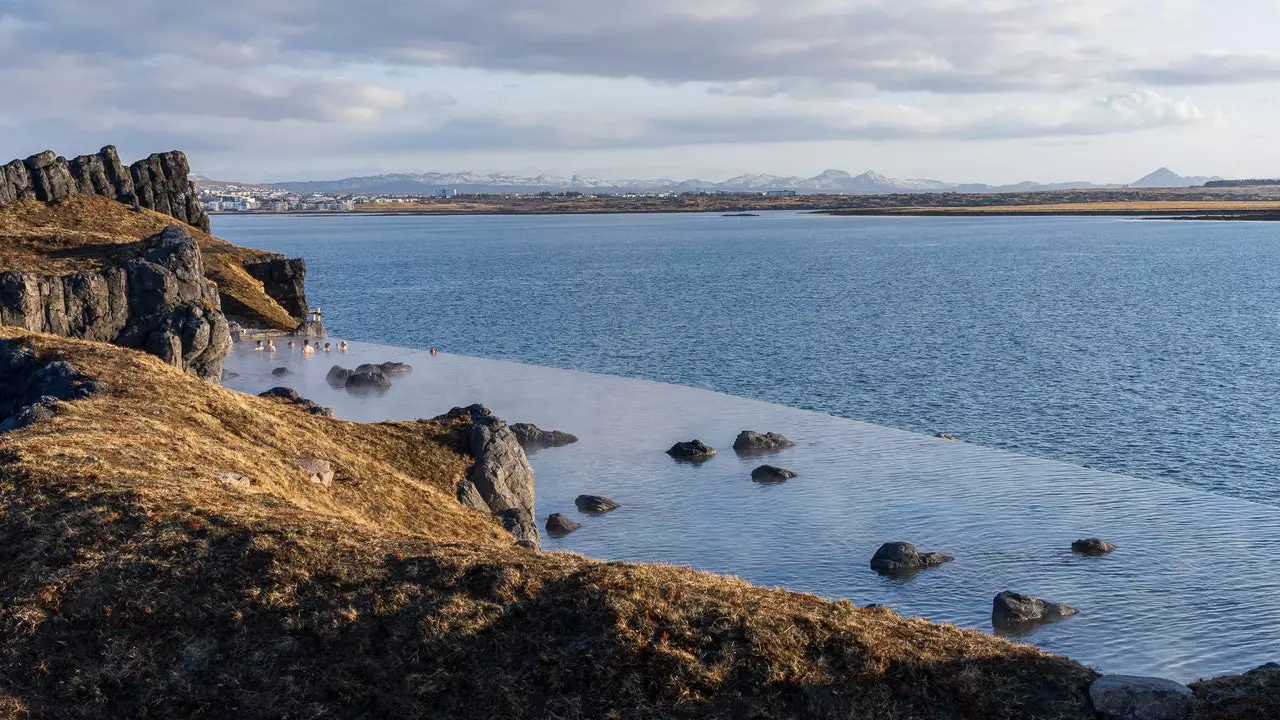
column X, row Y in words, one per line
column 1190, row 592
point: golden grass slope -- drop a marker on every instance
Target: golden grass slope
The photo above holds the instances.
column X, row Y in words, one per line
column 86, row 232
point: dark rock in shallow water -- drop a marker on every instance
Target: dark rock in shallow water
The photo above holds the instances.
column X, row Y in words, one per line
column 896, row 557
column 392, row 369
column 281, row 372
column 771, row 473
column 1011, row 608
column 693, row 450
column 749, row 441
column 532, row 436
column 947, row 436
column 311, row 329
column 1128, row 697
column 1092, row 546
column 291, row 396
column 338, row 376
column 595, row 504
column 368, row 381
column 559, row 525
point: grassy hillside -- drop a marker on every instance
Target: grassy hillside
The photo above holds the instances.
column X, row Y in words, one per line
column 85, row 232
column 137, row 584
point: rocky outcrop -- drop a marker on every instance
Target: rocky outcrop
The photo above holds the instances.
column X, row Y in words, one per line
column 1011, row 608
column 31, row 390
column 368, row 381
column 158, row 301
column 291, row 396
column 595, row 504
column 532, row 437
column 771, row 474
column 902, row 557
column 501, row 481
column 338, row 376
column 285, row 281
column 1092, row 546
column 559, row 525
column 1128, row 697
column 750, row 441
column 691, row 451
column 311, row 329
column 390, row 369
column 159, row 182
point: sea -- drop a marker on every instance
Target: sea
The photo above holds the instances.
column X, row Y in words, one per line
column 1111, row 377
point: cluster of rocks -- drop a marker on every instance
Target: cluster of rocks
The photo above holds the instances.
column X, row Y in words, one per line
column 500, row 481
column 367, row 377
column 158, row 301
column 291, row 396
column 31, row 390
column 748, row 443
column 160, row 182
column 532, row 437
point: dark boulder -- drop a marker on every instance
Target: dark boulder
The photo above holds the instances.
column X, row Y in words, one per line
column 291, row 396
column 693, row 451
column 368, row 381
column 559, row 525
column 1092, row 546
column 395, row 369
column 281, row 372
column 1128, row 697
column 534, row 437
column 31, row 389
column 338, row 376
column 898, row 557
column 1011, row 608
column 500, row 481
column 595, row 504
column 310, row 329
column 947, row 436
column 750, row 441
column 284, row 280
column 771, row 474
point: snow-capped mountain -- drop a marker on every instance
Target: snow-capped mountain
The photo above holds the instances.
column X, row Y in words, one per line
column 828, row 181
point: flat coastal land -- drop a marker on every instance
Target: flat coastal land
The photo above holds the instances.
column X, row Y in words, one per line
column 1233, row 203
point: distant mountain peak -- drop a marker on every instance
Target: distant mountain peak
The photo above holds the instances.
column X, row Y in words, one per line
column 1166, row 178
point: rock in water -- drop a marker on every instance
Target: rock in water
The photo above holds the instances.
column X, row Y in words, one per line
column 281, row 372
column 895, row 557
column 749, row 441
column 1092, row 546
column 559, row 525
column 501, row 480
column 1011, row 608
column 393, row 369
column 532, row 436
column 771, row 474
column 338, row 376
column 947, row 436
column 693, row 450
column 595, row 504
column 311, row 329
column 1128, row 697
column 368, row 381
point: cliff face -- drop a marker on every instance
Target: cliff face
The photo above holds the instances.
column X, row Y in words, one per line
column 157, row 301
column 160, row 182
column 284, row 280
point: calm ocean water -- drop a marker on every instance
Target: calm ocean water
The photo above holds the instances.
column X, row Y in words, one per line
column 1145, row 348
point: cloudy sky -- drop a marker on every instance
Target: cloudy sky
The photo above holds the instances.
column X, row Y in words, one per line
column 963, row 90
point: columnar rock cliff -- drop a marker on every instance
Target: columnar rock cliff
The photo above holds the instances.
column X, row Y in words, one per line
column 160, row 182
column 285, row 281
column 157, row 301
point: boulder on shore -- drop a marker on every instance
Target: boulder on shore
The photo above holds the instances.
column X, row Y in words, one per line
column 693, row 450
column 895, row 557
column 771, row 474
column 532, row 436
column 595, row 504
column 1128, row 697
column 1092, row 546
column 1011, row 608
column 558, row 525
column 750, row 441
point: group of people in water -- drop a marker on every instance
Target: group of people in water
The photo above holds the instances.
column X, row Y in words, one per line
column 307, row 348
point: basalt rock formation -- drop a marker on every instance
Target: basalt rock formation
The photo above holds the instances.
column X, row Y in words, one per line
column 284, row 280
column 157, row 301
column 500, row 481
column 159, row 182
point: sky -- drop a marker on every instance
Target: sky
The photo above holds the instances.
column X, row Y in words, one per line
column 995, row 91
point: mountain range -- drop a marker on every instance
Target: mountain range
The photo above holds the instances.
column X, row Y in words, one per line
column 829, row 181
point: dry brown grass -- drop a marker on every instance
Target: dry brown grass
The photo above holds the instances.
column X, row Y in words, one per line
column 1255, row 694
column 138, row 585
column 88, row 232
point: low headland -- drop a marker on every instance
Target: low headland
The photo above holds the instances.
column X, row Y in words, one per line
column 173, row 548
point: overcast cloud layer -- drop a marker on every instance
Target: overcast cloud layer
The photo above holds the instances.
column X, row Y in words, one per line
column 317, row 88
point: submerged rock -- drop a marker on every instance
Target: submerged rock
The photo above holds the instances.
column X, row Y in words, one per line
column 558, row 525
column 895, row 557
column 693, row 450
column 281, row 372
column 394, row 369
column 532, row 436
column 771, row 474
column 1011, row 608
column 595, row 504
column 338, row 376
column 1092, row 546
column 291, row 396
column 1129, row 697
column 749, row 441
column 367, row 381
